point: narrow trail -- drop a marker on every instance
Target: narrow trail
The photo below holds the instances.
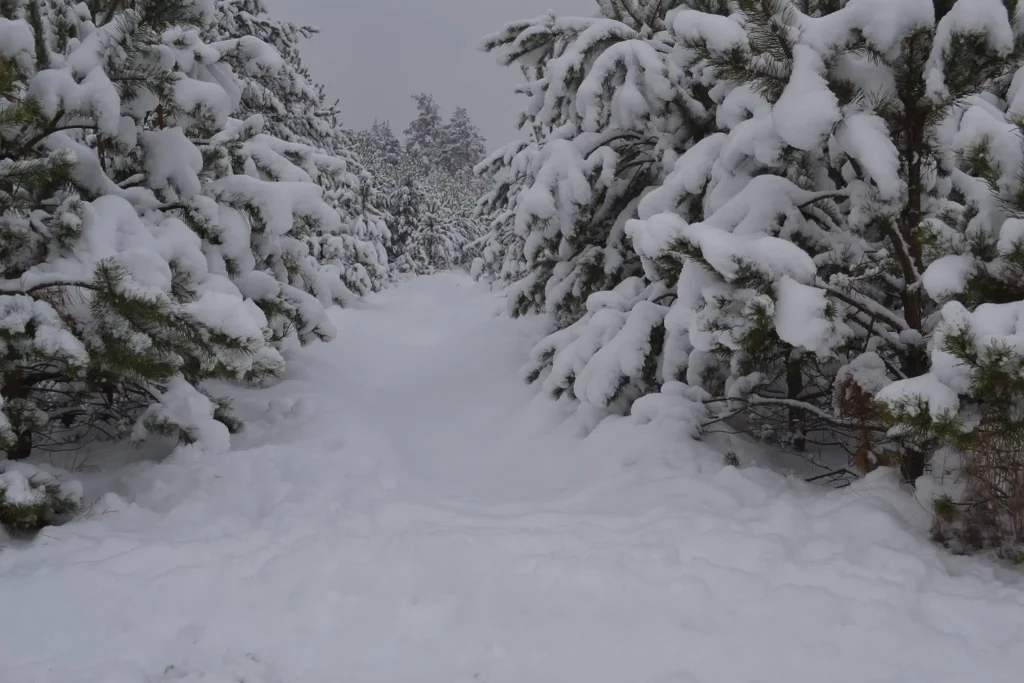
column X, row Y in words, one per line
column 402, row 508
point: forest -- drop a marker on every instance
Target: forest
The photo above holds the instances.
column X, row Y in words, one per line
column 735, row 319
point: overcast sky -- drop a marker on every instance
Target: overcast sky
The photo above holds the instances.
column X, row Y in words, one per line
column 374, row 54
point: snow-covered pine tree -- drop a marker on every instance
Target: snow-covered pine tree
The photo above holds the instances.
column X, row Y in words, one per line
column 791, row 245
column 965, row 411
column 424, row 138
column 446, row 225
column 434, row 245
column 432, row 190
column 608, row 108
column 279, row 88
column 405, row 205
column 469, row 227
column 397, row 181
column 148, row 241
column 820, row 301
column 459, row 186
column 379, row 147
column 462, row 145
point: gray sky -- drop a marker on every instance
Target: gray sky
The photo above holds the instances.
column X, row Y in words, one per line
column 374, row 54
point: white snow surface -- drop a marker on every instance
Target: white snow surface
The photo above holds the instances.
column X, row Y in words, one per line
column 403, row 508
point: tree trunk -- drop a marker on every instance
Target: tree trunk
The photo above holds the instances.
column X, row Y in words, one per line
column 915, row 361
column 794, row 387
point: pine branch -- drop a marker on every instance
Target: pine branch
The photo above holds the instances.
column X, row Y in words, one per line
column 27, row 146
column 819, row 196
column 757, row 400
column 11, row 286
column 35, row 140
column 865, row 305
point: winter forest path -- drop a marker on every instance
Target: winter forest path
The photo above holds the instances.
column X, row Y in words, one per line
column 402, row 508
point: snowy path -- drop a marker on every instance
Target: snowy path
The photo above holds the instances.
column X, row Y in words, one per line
column 404, row 512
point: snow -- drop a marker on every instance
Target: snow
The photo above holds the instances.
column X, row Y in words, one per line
column 985, row 17
column 1015, row 95
column 21, row 315
column 183, row 405
column 676, row 404
column 926, row 392
column 644, row 82
column 980, row 125
column 1010, row 234
column 16, row 489
column 774, row 256
column 801, row 318
column 172, row 159
column 576, row 55
column 720, row 34
column 260, row 54
column 23, row 483
column 621, row 357
column 279, row 203
column 16, row 40
column 57, row 91
column 884, row 24
column 867, row 371
column 402, row 508
column 866, row 138
column 224, row 312
column 948, row 275
column 689, row 176
column 807, row 109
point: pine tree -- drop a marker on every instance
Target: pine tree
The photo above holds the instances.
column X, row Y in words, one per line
column 427, row 192
column 610, row 107
column 820, row 302
column 800, row 256
column 607, row 104
column 32, row 497
column 148, row 240
column 462, row 145
column 406, row 207
column 424, row 138
column 965, row 411
column 379, row 146
column 433, row 246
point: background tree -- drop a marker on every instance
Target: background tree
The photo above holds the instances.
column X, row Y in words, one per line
column 427, row 185
column 462, row 145
column 424, row 138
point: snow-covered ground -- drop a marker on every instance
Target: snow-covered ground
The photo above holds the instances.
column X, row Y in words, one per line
column 404, row 509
